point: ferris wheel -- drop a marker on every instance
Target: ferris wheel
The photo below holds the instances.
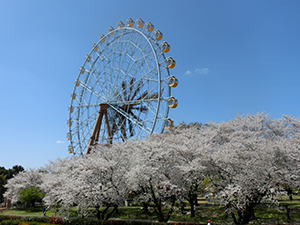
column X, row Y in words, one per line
column 123, row 89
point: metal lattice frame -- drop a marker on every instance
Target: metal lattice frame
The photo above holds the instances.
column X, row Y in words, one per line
column 127, row 71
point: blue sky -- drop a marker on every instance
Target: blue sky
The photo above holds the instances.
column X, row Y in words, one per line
column 235, row 56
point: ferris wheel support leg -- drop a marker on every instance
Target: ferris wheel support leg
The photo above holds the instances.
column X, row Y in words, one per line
column 96, row 132
column 108, row 130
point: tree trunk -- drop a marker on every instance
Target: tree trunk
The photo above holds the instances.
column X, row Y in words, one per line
column 196, row 199
column 158, row 211
column 287, row 212
column 171, row 209
column 157, row 205
column 103, row 213
column 246, row 216
column 290, row 194
column 115, row 209
column 98, row 214
column 145, row 208
column 234, row 218
column 182, row 207
column 192, row 199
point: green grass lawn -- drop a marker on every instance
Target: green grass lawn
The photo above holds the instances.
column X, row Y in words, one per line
column 263, row 213
column 286, row 198
column 28, row 211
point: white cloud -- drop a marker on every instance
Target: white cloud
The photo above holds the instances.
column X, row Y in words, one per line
column 202, row 71
column 198, row 71
column 187, row 72
column 60, row 142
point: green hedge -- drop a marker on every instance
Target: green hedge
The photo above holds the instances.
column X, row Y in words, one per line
column 18, row 222
column 37, row 220
column 10, row 222
column 77, row 221
column 7, row 217
column 30, row 220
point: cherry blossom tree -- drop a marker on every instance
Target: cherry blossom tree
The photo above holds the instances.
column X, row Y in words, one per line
column 287, row 131
column 248, row 159
column 91, row 181
column 23, row 180
column 187, row 147
column 57, row 183
column 150, row 175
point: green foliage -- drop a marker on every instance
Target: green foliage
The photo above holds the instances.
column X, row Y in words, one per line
column 31, row 195
column 205, row 183
column 36, row 219
column 5, row 175
column 76, row 221
column 18, row 222
column 10, row 222
column 11, row 172
column 25, row 220
column 3, row 181
column 9, row 217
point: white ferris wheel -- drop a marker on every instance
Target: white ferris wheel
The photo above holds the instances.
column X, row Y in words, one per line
column 123, row 89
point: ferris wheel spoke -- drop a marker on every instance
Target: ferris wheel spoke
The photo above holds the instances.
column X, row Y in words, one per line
column 140, row 44
column 134, row 61
column 125, row 49
column 120, row 125
column 105, row 66
column 130, row 128
column 153, row 96
column 141, row 108
column 123, row 132
column 134, row 116
column 137, row 123
column 132, row 83
column 144, row 56
column 140, row 85
column 135, row 102
column 102, row 80
column 85, row 106
column 136, row 91
column 92, row 91
column 85, row 137
column 130, row 89
column 151, row 71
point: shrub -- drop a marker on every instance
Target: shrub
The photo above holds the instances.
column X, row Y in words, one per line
column 77, row 221
column 183, row 223
column 56, row 220
column 38, row 219
column 10, row 222
column 4, row 219
column 11, row 217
